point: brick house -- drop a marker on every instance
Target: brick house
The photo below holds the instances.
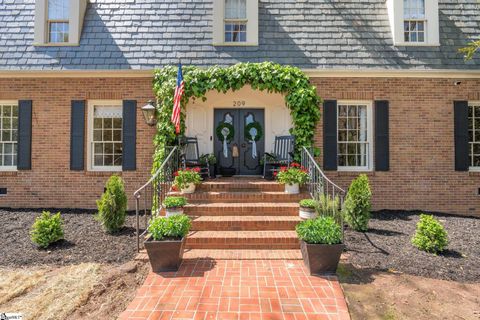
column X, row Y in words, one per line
column 403, row 104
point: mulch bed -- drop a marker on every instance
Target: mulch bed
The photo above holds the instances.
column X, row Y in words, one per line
column 387, row 246
column 85, row 241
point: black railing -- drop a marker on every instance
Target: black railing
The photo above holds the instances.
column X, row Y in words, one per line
column 149, row 198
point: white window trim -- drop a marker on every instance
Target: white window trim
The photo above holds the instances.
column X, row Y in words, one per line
column 218, row 33
column 91, row 105
column 10, row 168
column 432, row 30
column 472, row 168
column 369, row 166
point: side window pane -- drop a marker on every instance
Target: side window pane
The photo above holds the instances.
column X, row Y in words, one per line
column 474, row 134
column 107, row 136
column 8, row 135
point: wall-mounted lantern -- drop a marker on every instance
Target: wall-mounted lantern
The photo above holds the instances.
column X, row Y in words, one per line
column 150, row 113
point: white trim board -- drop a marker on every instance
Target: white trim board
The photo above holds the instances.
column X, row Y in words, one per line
column 313, row 73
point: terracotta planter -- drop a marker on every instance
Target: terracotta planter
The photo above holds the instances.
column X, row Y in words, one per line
column 321, row 258
column 292, row 188
column 189, row 189
column 173, row 211
column 165, row 255
column 307, row 213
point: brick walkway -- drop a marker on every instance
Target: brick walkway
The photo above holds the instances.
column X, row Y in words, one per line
column 236, row 289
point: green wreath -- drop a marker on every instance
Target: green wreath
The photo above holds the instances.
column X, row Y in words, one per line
column 255, row 125
column 231, row 131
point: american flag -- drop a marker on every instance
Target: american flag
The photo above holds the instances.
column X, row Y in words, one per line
column 176, row 100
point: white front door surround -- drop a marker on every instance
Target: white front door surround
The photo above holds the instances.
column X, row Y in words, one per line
column 200, row 124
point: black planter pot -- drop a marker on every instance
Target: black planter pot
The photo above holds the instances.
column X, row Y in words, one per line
column 212, row 169
column 227, row 172
column 321, row 258
column 165, row 255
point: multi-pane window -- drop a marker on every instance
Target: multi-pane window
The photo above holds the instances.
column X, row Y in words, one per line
column 58, row 28
column 8, row 135
column 235, row 21
column 414, row 20
column 354, row 136
column 106, row 142
column 474, row 134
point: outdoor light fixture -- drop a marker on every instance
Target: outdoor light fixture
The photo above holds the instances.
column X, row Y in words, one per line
column 149, row 113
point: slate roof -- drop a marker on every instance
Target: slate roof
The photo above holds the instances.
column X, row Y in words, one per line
column 314, row 34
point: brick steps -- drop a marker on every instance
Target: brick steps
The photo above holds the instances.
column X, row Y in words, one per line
column 242, row 240
column 242, row 184
column 242, row 254
column 244, row 223
column 242, row 197
column 242, row 209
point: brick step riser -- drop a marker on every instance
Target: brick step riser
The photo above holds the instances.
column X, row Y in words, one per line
column 244, row 246
column 230, row 188
column 225, row 211
column 255, row 198
column 243, row 225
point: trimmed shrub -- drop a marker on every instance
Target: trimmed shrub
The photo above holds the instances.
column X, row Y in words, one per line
column 356, row 211
column 308, row 203
column 323, row 230
column 112, row 207
column 174, row 202
column 174, row 227
column 47, row 229
column 430, row 235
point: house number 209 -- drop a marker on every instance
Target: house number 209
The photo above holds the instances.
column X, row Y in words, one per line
column 239, row 103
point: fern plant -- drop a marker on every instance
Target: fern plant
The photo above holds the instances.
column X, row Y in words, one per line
column 112, row 207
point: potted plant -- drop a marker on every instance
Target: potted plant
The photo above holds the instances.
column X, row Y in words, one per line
column 209, row 160
column 308, row 209
column 321, row 244
column 174, row 205
column 292, row 177
column 185, row 180
column 166, row 241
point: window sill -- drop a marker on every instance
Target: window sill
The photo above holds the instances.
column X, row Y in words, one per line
column 56, row 44
column 8, row 172
column 235, row 44
column 103, row 173
column 416, row 44
column 351, row 173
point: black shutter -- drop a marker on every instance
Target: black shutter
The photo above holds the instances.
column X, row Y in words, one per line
column 24, row 158
column 77, row 132
column 330, row 135
column 460, row 113
column 129, row 135
column 382, row 145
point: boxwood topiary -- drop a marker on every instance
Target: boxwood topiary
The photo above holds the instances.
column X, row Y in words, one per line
column 323, row 230
column 47, row 229
column 112, row 207
column 356, row 210
column 430, row 235
column 169, row 228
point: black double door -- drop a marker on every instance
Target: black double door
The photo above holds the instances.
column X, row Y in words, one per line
column 239, row 136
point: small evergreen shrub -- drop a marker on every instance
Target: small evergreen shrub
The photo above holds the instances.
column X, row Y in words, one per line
column 174, row 202
column 112, row 207
column 356, row 211
column 308, row 203
column 174, row 227
column 430, row 235
column 323, row 230
column 47, row 229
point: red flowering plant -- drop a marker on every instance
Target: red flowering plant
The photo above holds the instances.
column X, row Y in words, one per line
column 184, row 177
column 292, row 175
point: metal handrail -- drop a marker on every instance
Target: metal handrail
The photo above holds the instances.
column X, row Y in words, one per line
column 329, row 195
column 155, row 190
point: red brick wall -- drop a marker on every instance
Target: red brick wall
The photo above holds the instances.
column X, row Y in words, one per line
column 51, row 183
column 421, row 172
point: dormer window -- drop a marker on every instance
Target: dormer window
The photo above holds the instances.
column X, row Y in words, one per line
column 235, row 22
column 58, row 25
column 59, row 22
column 414, row 23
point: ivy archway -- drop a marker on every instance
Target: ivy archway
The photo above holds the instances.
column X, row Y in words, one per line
column 300, row 96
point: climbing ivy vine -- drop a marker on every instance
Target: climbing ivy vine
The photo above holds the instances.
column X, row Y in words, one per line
column 300, row 95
